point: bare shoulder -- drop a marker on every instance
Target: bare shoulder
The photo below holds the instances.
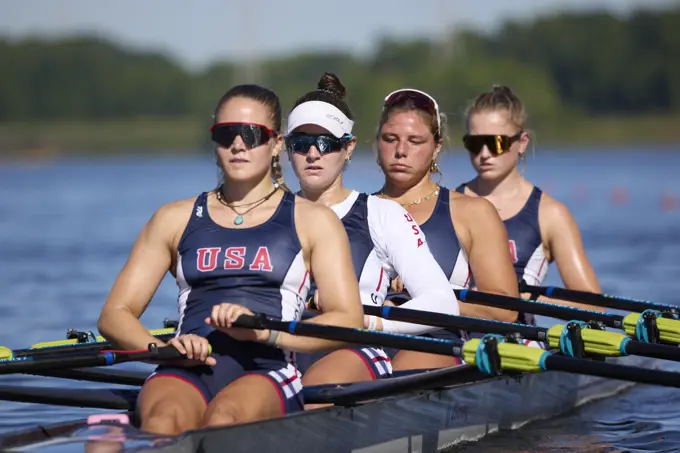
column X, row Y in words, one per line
column 552, row 210
column 471, row 207
column 311, row 213
column 169, row 220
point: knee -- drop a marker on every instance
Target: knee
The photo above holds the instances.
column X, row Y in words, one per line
column 221, row 415
column 166, row 419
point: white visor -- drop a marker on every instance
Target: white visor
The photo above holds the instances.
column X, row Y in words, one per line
column 322, row 114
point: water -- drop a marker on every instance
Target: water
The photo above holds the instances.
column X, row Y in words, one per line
column 67, row 226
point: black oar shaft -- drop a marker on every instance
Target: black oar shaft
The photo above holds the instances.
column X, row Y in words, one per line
column 602, row 300
column 539, row 308
column 72, row 360
column 612, row 371
column 355, row 336
column 456, row 322
column 655, row 350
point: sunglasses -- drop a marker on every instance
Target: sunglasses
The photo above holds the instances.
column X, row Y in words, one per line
column 301, row 143
column 253, row 135
column 497, row 144
column 420, row 99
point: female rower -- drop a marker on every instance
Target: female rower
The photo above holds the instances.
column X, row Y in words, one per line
column 247, row 246
column 541, row 229
column 465, row 234
column 384, row 239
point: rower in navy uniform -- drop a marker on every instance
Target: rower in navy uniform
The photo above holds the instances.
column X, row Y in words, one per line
column 465, row 234
column 248, row 246
column 384, row 239
column 540, row 229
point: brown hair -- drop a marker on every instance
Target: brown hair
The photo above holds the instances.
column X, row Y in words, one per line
column 329, row 90
column 271, row 101
column 499, row 98
column 408, row 105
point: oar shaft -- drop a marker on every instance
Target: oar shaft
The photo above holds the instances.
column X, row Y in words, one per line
column 104, row 358
column 356, row 336
column 612, row 371
column 655, row 350
column 456, row 322
column 601, row 300
column 539, row 308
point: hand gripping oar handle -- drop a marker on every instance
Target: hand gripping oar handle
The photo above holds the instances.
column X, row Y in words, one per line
column 74, row 360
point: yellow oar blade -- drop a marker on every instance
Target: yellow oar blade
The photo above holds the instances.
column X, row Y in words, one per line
column 514, row 357
column 669, row 329
column 596, row 342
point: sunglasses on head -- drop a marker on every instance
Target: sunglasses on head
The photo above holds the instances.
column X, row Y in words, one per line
column 420, row 99
column 301, row 143
column 497, row 144
column 253, row 135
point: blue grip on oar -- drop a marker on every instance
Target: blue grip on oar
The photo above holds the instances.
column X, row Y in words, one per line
column 386, row 311
column 567, row 338
column 482, row 355
column 549, row 291
column 291, row 327
column 641, row 330
column 110, row 358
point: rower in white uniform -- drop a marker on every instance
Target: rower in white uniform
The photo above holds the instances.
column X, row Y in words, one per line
column 385, row 240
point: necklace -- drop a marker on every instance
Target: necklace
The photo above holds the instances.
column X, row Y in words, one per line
column 254, row 204
column 434, row 193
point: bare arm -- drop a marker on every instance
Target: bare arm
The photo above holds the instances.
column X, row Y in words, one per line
column 565, row 246
column 489, row 258
column 331, row 264
column 149, row 260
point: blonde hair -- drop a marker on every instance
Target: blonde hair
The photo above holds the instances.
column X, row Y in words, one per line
column 499, row 98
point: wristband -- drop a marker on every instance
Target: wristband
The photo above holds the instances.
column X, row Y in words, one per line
column 273, row 338
column 372, row 322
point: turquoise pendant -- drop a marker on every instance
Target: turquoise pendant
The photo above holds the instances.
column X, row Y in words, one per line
column 238, row 220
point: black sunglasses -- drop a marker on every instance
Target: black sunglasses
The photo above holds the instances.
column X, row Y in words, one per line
column 301, row 143
column 497, row 144
column 253, row 135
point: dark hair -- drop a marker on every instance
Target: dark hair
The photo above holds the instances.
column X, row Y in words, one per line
column 330, row 90
column 407, row 104
column 269, row 99
column 263, row 95
column 499, row 98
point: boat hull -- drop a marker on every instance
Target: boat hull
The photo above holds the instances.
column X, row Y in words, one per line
column 422, row 421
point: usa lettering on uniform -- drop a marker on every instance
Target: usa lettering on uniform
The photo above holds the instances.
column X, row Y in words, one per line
column 415, row 228
column 234, row 258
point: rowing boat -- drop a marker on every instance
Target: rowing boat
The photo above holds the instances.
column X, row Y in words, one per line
column 427, row 411
column 414, row 411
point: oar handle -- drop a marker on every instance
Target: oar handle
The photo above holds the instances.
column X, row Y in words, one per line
column 76, row 360
column 355, row 336
column 601, row 300
column 450, row 322
column 539, row 308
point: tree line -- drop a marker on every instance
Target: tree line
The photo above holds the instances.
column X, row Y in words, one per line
column 563, row 65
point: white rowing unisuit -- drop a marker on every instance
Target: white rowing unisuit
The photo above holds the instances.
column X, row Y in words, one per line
column 386, row 242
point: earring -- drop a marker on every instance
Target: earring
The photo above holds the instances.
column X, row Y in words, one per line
column 275, row 162
column 523, row 158
column 434, row 168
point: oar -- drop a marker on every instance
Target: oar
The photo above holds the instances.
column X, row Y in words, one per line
column 120, row 377
column 601, row 300
column 66, row 360
column 491, row 354
column 646, row 327
column 574, row 339
column 81, row 342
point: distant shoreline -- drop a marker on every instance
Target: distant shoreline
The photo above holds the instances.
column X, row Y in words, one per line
column 188, row 135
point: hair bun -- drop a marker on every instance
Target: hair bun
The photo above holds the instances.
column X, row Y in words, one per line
column 501, row 89
column 330, row 83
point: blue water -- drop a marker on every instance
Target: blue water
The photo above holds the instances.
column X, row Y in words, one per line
column 67, row 226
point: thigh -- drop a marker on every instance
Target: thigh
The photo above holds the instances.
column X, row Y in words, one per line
column 172, row 397
column 412, row 360
column 339, row 367
column 256, row 395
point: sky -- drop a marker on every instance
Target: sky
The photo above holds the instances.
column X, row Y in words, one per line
column 201, row 31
